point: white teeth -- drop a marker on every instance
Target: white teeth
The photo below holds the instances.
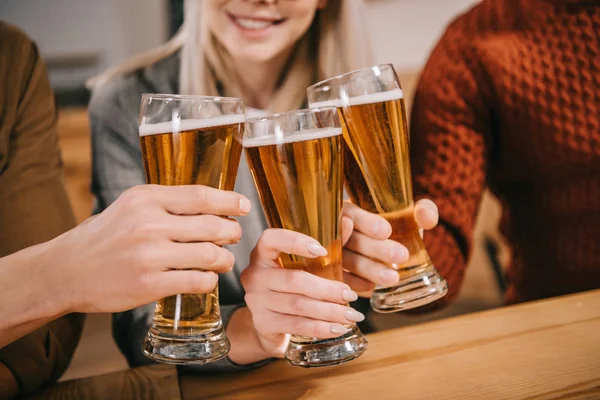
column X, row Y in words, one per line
column 255, row 24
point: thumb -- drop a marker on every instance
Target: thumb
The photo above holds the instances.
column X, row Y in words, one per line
column 426, row 214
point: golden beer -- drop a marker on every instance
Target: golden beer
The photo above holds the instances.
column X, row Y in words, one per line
column 377, row 174
column 296, row 161
column 196, row 145
column 384, row 160
column 297, row 183
column 200, row 154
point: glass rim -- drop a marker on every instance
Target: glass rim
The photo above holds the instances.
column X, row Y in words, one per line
column 304, row 111
column 315, row 86
column 191, row 97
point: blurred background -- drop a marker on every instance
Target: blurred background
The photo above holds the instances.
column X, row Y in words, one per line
column 81, row 38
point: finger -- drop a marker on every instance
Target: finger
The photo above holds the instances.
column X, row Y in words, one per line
column 347, row 228
column 300, row 282
column 302, row 326
column 426, row 214
column 176, row 282
column 273, row 242
column 360, row 285
column 203, row 228
column 370, row 224
column 204, row 256
column 294, row 304
column 386, row 251
column 369, row 269
column 197, row 199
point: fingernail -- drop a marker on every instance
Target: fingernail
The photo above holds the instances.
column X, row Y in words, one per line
column 338, row 329
column 349, row 295
column 354, row 316
column 245, row 205
column 389, row 276
column 398, row 254
column 316, row 249
column 431, row 214
column 430, row 205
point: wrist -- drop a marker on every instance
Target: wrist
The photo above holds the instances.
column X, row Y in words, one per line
column 51, row 269
column 29, row 294
column 246, row 347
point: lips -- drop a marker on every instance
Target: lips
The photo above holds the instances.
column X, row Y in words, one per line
column 254, row 24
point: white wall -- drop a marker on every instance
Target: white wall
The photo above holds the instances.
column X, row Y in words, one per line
column 405, row 31
column 114, row 29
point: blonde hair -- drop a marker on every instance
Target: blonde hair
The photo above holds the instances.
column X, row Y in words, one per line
column 336, row 42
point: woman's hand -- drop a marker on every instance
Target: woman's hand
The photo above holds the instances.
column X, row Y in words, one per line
column 286, row 301
column 153, row 242
column 367, row 247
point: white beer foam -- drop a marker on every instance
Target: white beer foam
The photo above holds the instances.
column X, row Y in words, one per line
column 190, row 124
column 395, row 94
column 300, row 136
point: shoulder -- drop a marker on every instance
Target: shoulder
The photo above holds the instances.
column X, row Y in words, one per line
column 19, row 53
column 485, row 18
column 13, row 41
column 122, row 94
column 115, row 97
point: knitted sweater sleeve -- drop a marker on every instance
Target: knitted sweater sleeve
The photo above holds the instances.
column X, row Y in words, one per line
column 450, row 127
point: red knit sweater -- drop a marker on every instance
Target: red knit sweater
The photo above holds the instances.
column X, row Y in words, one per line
column 510, row 99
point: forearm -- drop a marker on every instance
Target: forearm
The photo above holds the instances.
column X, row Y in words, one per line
column 29, row 300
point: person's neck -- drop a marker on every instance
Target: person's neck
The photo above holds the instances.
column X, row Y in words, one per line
column 258, row 80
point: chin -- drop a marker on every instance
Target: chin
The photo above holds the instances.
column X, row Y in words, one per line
column 254, row 54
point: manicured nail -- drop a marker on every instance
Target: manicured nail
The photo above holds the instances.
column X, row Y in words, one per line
column 245, row 205
column 431, row 214
column 349, row 295
column 388, row 277
column 354, row 316
column 398, row 254
column 316, row 249
column 338, row 329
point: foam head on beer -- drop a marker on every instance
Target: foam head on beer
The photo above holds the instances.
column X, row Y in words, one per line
column 293, row 126
column 376, row 84
column 298, row 136
column 177, row 126
column 394, row 94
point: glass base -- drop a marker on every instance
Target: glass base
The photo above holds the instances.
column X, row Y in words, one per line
column 412, row 292
column 327, row 352
column 184, row 349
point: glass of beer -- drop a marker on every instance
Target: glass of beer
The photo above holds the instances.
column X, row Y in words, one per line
column 296, row 162
column 189, row 140
column 370, row 103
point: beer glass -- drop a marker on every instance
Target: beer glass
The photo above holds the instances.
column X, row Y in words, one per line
column 370, row 103
column 189, row 140
column 296, row 162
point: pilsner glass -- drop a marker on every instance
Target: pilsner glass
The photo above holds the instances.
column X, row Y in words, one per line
column 370, row 103
column 189, row 140
column 296, row 161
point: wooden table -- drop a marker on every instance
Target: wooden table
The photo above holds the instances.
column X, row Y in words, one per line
column 542, row 350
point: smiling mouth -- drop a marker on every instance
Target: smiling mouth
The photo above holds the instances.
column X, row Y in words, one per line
column 254, row 24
